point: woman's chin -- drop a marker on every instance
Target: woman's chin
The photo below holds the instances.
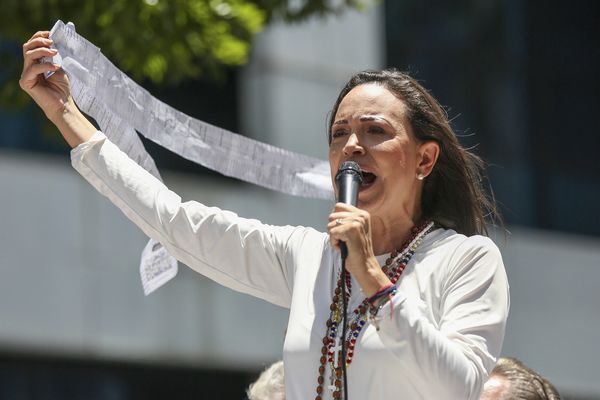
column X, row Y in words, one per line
column 366, row 196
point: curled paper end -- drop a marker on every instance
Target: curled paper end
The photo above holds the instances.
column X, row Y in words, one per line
column 57, row 59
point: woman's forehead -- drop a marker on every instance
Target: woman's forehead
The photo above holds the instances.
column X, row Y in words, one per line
column 370, row 99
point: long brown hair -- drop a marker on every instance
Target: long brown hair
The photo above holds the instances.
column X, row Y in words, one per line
column 453, row 194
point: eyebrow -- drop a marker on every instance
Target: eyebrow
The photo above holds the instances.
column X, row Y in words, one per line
column 364, row 118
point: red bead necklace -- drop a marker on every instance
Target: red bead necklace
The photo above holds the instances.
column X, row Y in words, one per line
column 331, row 350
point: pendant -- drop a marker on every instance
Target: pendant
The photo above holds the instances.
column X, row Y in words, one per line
column 337, row 354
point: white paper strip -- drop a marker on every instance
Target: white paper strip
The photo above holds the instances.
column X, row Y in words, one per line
column 121, row 107
column 215, row 148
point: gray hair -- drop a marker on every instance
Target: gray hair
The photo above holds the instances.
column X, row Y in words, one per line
column 524, row 383
column 269, row 385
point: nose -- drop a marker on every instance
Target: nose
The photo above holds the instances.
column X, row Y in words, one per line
column 353, row 146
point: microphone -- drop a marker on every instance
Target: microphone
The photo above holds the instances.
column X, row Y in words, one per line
column 348, row 180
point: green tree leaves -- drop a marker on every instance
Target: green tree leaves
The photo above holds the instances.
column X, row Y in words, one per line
column 164, row 41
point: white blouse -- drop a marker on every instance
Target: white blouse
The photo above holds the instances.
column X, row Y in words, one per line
column 439, row 339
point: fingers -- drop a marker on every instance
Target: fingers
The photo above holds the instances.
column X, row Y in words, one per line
column 342, row 232
column 35, row 49
column 30, row 76
column 343, row 211
column 350, row 225
column 39, row 52
column 345, row 207
column 337, row 219
column 43, row 34
column 346, row 227
column 35, row 43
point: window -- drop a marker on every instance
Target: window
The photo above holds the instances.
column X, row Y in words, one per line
column 522, row 85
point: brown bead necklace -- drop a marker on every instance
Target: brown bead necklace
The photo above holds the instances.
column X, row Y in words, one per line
column 331, row 353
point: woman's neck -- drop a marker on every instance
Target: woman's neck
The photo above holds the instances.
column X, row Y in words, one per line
column 389, row 234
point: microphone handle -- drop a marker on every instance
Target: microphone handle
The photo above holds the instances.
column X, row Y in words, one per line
column 348, row 186
column 348, row 193
column 343, row 250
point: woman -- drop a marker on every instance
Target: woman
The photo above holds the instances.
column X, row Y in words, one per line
column 428, row 294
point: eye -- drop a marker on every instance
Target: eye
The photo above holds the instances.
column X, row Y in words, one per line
column 338, row 133
column 374, row 129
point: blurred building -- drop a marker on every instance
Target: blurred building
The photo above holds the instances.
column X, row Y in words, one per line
column 521, row 82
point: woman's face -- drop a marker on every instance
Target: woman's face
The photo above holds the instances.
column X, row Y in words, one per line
column 372, row 129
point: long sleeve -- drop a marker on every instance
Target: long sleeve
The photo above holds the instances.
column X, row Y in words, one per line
column 242, row 254
column 456, row 345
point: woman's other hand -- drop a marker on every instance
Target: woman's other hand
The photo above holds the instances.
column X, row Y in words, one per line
column 51, row 94
column 352, row 226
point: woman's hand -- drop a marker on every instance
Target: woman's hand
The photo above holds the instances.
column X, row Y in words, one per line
column 51, row 94
column 352, row 226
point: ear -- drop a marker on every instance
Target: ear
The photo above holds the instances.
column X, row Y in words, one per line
column 428, row 153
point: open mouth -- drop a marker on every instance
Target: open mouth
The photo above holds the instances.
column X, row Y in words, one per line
column 368, row 179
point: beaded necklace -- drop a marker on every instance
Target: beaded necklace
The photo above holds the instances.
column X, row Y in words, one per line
column 331, row 351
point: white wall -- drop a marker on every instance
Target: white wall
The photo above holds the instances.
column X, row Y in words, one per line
column 554, row 321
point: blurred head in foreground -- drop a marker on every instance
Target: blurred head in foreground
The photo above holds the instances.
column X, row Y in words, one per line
column 269, row 385
column 510, row 379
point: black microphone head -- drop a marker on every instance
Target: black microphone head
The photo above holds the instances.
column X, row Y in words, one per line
column 348, row 181
column 349, row 167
